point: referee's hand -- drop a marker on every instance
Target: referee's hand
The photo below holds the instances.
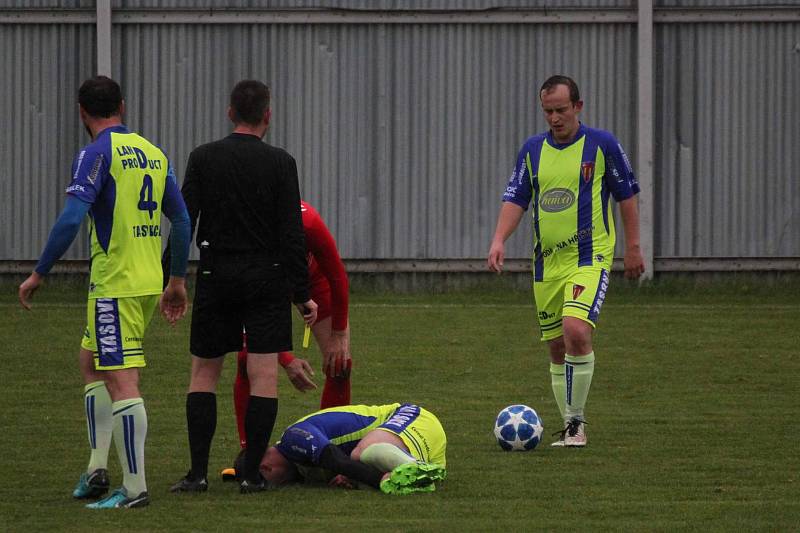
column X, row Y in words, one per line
column 309, row 312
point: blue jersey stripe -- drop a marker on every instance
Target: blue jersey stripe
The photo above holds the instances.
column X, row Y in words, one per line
column 532, row 160
column 604, row 201
column 585, row 180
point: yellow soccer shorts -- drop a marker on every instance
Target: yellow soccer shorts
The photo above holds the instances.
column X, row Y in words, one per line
column 420, row 431
column 115, row 330
column 579, row 295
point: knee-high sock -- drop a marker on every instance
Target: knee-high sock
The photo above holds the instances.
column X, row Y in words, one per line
column 385, row 457
column 579, row 370
column 99, row 424
column 201, row 420
column 241, row 396
column 559, row 384
column 130, row 432
column 259, row 422
column 335, row 393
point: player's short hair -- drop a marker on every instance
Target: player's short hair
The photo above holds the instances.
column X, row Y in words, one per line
column 552, row 81
column 100, row 97
column 249, row 101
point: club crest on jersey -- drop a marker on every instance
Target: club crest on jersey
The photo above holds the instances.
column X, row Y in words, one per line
column 587, row 171
column 577, row 290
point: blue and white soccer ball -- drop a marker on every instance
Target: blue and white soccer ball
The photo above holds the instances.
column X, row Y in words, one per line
column 518, row 428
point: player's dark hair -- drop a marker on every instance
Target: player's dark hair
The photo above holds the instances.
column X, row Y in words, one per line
column 249, row 101
column 100, row 97
column 552, row 81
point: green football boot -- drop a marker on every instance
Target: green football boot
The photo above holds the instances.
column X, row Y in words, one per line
column 413, row 477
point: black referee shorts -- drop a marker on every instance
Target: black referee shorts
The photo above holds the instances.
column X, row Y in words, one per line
column 251, row 295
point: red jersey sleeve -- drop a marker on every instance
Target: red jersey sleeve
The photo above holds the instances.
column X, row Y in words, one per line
column 322, row 246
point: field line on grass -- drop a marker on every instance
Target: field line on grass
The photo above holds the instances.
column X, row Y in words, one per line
column 645, row 306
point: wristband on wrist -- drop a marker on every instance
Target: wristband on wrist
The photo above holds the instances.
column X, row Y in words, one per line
column 284, row 358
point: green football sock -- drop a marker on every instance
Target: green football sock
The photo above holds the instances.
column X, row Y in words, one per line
column 559, row 384
column 130, row 430
column 579, row 371
column 385, row 457
column 99, row 424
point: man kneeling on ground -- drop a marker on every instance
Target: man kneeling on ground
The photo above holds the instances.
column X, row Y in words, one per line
column 396, row 448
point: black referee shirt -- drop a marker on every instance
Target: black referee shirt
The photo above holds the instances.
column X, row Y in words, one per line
column 247, row 197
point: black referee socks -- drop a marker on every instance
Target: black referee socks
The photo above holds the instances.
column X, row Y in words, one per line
column 201, row 419
column 258, row 424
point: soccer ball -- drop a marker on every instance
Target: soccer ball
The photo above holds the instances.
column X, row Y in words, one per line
column 518, row 428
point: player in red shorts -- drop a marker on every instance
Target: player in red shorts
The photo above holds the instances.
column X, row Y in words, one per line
column 330, row 290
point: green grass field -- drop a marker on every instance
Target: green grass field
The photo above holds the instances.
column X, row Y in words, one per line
column 693, row 418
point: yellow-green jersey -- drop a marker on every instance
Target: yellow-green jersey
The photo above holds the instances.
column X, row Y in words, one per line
column 570, row 186
column 344, row 427
column 128, row 181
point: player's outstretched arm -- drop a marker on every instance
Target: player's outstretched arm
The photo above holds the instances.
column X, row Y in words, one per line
column 27, row 288
column 338, row 462
column 507, row 221
column 174, row 301
column 335, row 346
column 634, row 263
column 61, row 236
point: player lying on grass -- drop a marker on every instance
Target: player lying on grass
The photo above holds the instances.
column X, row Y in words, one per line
column 396, row 448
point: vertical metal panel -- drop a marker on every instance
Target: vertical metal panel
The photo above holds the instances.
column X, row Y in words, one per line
column 43, row 66
column 728, row 133
column 404, row 134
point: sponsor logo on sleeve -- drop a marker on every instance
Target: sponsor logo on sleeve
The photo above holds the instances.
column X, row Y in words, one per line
column 92, row 177
column 78, row 166
column 625, row 158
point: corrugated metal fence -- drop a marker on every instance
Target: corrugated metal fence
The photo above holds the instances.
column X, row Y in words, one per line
column 405, row 133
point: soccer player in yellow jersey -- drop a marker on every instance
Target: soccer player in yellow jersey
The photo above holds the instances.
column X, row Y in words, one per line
column 124, row 183
column 398, row 449
column 569, row 174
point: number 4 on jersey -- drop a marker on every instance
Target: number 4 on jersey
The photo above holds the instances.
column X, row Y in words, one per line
column 146, row 202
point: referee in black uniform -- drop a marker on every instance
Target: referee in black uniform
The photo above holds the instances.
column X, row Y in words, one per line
column 252, row 266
